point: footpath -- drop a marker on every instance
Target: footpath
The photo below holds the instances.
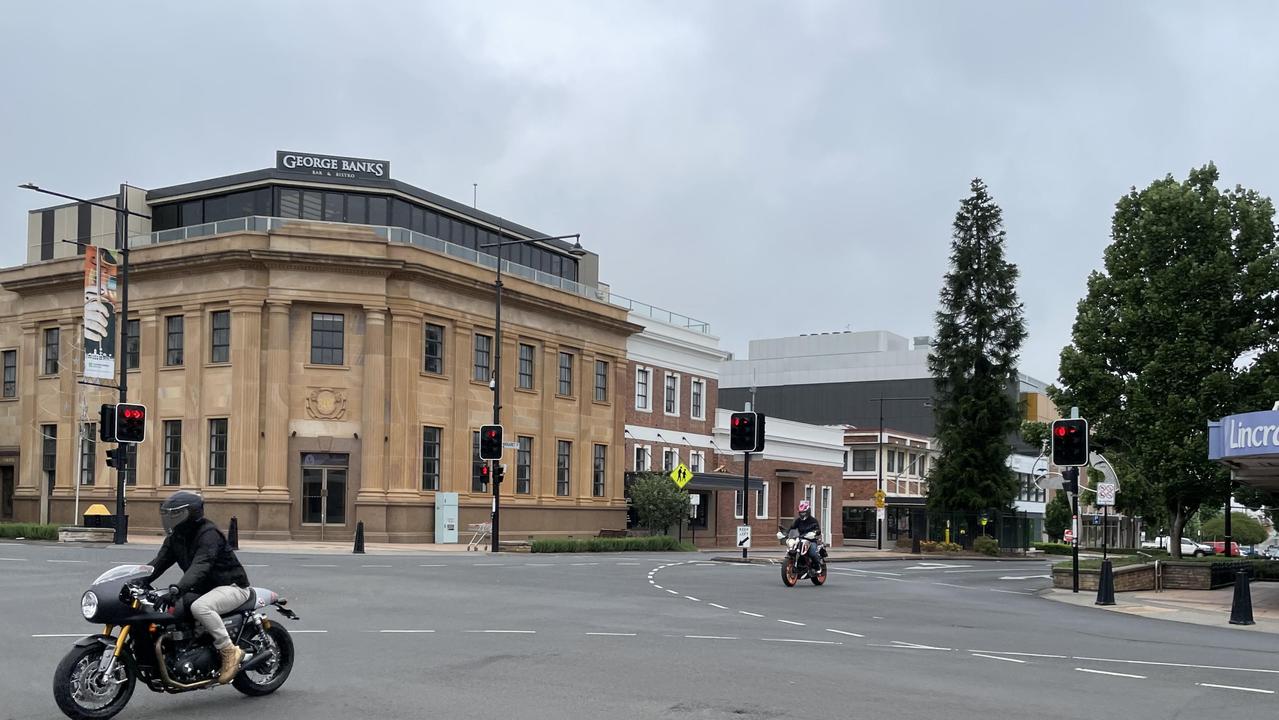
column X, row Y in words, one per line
column 1199, row 607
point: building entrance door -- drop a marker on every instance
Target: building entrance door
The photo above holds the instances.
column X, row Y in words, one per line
column 324, row 493
column 787, row 507
column 6, row 492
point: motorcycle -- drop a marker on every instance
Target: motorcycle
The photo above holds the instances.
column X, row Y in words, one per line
column 166, row 649
column 798, row 564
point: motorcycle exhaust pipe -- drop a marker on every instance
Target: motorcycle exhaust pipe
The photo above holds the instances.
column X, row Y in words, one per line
column 254, row 660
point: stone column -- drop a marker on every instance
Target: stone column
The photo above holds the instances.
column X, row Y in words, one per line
column 152, row 351
column 30, row 478
column 458, row 452
column 246, row 395
column 373, row 430
column 195, row 472
column 275, row 401
column 403, row 450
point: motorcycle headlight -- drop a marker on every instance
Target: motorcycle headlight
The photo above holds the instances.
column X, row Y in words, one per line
column 89, row 605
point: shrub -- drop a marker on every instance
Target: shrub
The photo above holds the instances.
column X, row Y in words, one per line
column 29, row 531
column 937, row 546
column 658, row 502
column 986, row 545
column 1052, row 548
column 660, row 543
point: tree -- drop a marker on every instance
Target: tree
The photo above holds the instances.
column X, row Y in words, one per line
column 1243, row 528
column 1034, row 434
column 658, row 502
column 1179, row 328
column 1057, row 517
column 980, row 328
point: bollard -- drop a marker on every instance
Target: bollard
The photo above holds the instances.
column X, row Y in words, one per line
column 1241, row 608
column 359, row 538
column 914, row 545
column 1106, row 584
column 233, row 534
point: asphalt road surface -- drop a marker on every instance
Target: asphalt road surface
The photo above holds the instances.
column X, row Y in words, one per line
column 664, row 636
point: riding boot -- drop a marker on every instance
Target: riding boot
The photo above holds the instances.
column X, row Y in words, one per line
column 232, row 655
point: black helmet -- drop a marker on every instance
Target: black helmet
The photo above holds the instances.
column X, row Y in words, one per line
column 180, row 507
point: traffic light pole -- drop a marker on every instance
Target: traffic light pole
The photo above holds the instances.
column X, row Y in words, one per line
column 1074, row 522
column 746, row 493
column 122, row 472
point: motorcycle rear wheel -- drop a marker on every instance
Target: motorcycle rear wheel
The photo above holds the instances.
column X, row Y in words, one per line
column 81, row 694
column 258, row 682
column 790, row 573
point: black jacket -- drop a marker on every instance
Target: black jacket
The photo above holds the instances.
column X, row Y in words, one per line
column 207, row 561
column 806, row 526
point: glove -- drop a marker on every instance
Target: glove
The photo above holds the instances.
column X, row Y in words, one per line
column 171, row 597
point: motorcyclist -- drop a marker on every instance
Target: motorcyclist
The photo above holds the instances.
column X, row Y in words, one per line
column 806, row 523
column 213, row 580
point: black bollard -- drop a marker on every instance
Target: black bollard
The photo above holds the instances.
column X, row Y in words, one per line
column 1106, row 584
column 233, row 533
column 1241, row 608
column 359, row 538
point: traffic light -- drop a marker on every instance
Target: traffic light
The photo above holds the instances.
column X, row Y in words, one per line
column 500, row 475
column 491, row 442
column 484, row 474
column 115, row 457
column 1070, row 442
column 130, row 423
column 106, row 423
column 746, row 432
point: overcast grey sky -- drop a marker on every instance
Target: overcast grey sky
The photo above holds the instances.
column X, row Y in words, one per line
column 813, row 151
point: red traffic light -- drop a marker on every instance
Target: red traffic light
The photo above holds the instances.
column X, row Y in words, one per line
column 134, row 414
column 1061, row 431
column 484, row 471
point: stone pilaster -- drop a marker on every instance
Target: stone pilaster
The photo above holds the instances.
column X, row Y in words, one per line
column 246, row 394
column 457, row 456
column 275, row 401
column 152, row 350
column 373, row 429
column 195, row 461
column 403, row 446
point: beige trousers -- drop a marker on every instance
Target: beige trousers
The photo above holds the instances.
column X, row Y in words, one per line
column 209, row 608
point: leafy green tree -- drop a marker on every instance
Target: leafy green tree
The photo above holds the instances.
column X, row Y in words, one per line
column 1178, row 329
column 1243, row 528
column 1034, row 434
column 658, row 502
column 1057, row 517
column 980, row 328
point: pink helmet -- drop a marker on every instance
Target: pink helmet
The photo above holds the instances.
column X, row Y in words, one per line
column 805, row 506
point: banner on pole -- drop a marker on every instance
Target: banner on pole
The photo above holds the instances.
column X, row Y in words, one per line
column 100, row 295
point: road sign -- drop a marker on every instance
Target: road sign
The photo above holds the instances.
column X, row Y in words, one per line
column 880, row 495
column 511, row 445
column 681, row 475
column 743, row 536
column 1106, row 494
column 1070, row 535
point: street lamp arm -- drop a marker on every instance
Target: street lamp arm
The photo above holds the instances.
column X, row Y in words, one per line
column 37, row 188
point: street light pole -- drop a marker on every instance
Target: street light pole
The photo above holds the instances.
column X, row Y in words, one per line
column 496, row 379
column 122, row 211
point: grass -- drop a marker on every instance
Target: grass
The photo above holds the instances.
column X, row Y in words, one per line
column 661, row 543
column 29, row 531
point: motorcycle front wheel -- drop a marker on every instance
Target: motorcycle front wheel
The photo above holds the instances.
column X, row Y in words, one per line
column 790, row 573
column 819, row 577
column 267, row 678
column 83, row 693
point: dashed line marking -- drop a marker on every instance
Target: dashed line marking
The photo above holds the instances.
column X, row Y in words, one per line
column 1112, row 674
column 791, row 622
column 805, row 642
column 488, row 564
column 659, row 587
column 256, row 566
column 750, row 613
column 15, row 559
column 66, row 561
column 612, row 634
column 308, row 632
column 405, row 632
column 690, row 597
column 318, row 566
column 433, row 565
column 1181, row 665
column 961, row 587
column 1011, row 592
column 628, row 563
column 505, row 632
column 1020, row 654
column 583, row 564
column 376, row 566
column 58, row 635
column 996, row 657
column 1236, row 687
column 709, row 637
column 844, row 632
column 671, row 591
column 868, row 572
column 714, row 605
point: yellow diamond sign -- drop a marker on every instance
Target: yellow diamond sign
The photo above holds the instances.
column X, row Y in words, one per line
column 880, row 496
column 682, row 475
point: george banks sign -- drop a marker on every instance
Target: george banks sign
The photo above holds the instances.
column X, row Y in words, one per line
column 332, row 166
column 1246, row 435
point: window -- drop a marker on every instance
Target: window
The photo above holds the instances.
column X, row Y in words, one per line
column 483, row 351
column 88, row 453
column 670, row 458
column 563, row 466
column 132, row 344
column 923, row 466
column 433, row 352
column 761, row 503
column 173, row 340
column 479, row 475
column 892, row 461
column 172, row 452
column 697, row 392
column 51, row 338
column 672, row 394
column 220, row 336
column 863, row 461
column 10, row 358
column 355, row 210
column 901, row 461
column 912, row 468
column 642, row 458
column 599, row 468
column 333, row 210
column 601, row 381
column 696, row 460
column 378, row 211
column 808, row 495
column 566, row 374
column 431, row 458
column 131, row 461
column 49, row 453
column 642, row 376
column 737, row 504
column 312, row 201
column 526, row 366
column 217, row 451
column 846, row 468
column 524, row 466
column 290, row 203
column 326, row 338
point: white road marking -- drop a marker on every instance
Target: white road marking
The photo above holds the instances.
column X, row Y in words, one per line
column 1236, row 687
column 918, row 646
column 806, row 642
column 690, row 597
column 311, row 632
column 979, row 570
column 1011, row 592
column 876, row 617
column 1026, row 577
column 256, row 566
column 436, row 565
column 628, row 563
column 867, row 572
column 659, row 587
column 581, row 564
column 709, row 637
column 488, row 564
column 961, row 587
column 750, row 613
column 539, row 564
column 609, row 634
column 996, row 657
column 721, row 607
column 844, row 632
column 671, row 591
column 58, row 635
column 791, row 622
column 1019, row 654
column 935, row 566
column 405, row 632
column 319, row 566
column 15, row 559
column 1181, row 665
column 66, row 561
column 507, row 632
column 376, row 566
column 1113, row 674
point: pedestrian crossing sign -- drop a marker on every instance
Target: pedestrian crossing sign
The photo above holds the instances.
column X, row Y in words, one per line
column 681, row 475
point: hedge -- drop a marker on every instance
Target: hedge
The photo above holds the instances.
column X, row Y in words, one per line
column 660, row 543
column 1261, row 569
column 29, row 531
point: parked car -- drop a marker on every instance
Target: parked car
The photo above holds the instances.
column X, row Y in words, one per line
column 1272, row 552
column 1219, row 547
column 1189, row 548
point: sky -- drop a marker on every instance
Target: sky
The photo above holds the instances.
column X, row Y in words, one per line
column 772, row 168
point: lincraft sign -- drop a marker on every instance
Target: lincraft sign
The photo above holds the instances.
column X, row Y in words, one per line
column 332, row 166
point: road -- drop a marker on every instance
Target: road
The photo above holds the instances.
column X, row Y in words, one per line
column 665, row 636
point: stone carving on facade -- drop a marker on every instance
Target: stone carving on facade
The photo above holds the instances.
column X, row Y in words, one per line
column 326, row 404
